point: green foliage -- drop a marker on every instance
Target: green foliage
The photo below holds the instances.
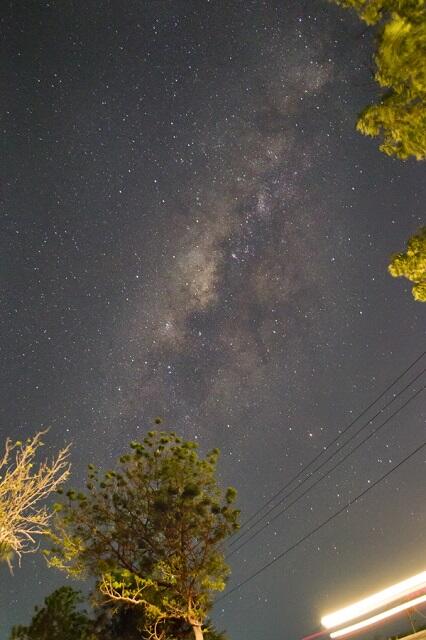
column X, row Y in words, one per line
column 373, row 11
column 212, row 634
column 412, row 264
column 150, row 530
column 128, row 623
column 59, row 619
column 400, row 115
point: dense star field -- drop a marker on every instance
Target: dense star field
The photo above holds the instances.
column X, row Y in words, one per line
column 192, row 228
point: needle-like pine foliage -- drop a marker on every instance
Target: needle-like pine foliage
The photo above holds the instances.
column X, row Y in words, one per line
column 399, row 117
column 59, row 619
column 412, row 264
column 150, row 532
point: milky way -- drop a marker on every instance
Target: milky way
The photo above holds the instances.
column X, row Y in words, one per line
column 192, row 229
column 220, row 292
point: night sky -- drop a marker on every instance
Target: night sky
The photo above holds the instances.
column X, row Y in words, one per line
column 192, row 228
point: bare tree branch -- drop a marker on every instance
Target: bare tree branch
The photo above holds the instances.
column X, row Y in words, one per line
column 22, row 491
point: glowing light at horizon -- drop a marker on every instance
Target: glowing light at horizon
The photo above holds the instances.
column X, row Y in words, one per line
column 375, row 601
column 377, row 618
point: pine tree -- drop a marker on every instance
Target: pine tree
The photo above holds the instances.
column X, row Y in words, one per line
column 59, row 619
column 62, row 618
column 150, row 532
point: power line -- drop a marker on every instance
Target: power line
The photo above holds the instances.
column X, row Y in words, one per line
column 330, row 457
column 321, row 465
column 323, row 524
column 324, row 449
column 326, row 474
column 309, row 464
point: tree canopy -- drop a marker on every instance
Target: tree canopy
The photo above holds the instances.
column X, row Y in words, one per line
column 121, row 621
column 58, row 619
column 399, row 118
column 412, row 264
column 150, row 532
column 62, row 618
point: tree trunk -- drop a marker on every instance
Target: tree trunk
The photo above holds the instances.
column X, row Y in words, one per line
column 198, row 633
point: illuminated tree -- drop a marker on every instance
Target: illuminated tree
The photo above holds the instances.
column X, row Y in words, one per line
column 412, row 264
column 61, row 618
column 399, row 117
column 150, row 531
column 115, row 621
column 23, row 489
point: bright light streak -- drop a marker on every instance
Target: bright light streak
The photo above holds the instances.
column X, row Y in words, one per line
column 375, row 601
column 378, row 617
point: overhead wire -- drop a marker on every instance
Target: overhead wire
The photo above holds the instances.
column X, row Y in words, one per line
column 238, row 535
column 330, row 457
column 328, row 472
column 322, row 524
